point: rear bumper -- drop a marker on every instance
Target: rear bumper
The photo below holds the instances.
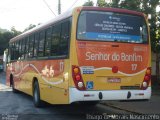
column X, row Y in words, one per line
column 76, row 95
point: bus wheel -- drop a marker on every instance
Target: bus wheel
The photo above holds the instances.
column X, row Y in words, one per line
column 12, row 84
column 36, row 95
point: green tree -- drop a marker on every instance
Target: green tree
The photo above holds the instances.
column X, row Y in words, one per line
column 88, row 3
column 15, row 32
column 115, row 3
column 101, row 3
column 131, row 4
column 29, row 27
column 4, row 40
column 5, row 37
column 149, row 8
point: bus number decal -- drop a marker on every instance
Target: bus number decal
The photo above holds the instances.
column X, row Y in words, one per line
column 134, row 67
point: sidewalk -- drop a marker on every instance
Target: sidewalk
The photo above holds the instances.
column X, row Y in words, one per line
column 139, row 107
column 3, row 78
column 3, row 86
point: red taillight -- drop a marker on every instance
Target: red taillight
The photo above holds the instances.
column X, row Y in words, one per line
column 77, row 78
column 147, row 79
column 114, row 69
column 148, row 71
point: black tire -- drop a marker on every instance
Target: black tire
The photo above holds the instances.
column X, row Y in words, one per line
column 12, row 84
column 36, row 95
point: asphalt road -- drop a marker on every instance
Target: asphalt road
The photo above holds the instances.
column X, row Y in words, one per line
column 19, row 106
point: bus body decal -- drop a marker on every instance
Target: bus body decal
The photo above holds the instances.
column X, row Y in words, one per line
column 105, row 55
column 31, row 65
column 107, row 68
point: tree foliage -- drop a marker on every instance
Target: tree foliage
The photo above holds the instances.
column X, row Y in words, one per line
column 29, row 27
column 114, row 4
column 4, row 39
column 149, row 8
column 88, row 3
column 5, row 36
column 131, row 4
column 15, row 32
column 101, row 3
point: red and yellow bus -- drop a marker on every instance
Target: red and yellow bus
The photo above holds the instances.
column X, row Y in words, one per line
column 89, row 54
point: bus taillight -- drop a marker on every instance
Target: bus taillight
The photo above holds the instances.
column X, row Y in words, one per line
column 148, row 71
column 147, row 79
column 78, row 81
column 78, row 77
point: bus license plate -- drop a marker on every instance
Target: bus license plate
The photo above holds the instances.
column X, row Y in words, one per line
column 114, row 80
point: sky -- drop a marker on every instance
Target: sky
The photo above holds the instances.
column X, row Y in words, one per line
column 22, row 13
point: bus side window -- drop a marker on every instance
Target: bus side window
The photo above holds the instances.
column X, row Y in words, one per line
column 23, row 49
column 55, row 40
column 31, row 46
column 48, row 41
column 26, row 46
column 65, row 36
column 35, row 51
column 20, row 49
column 41, row 44
column 12, row 51
column 16, row 50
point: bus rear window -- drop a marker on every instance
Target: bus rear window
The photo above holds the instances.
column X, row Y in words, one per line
column 111, row 26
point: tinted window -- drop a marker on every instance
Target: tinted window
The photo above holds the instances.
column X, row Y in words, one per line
column 12, row 49
column 31, row 46
column 27, row 47
column 55, row 40
column 20, row 48
column 110, row 26
column 23, row 49
column 16, row 54
column 65, row 36
column 48, row 41
column 35, row 51
column 41, row 44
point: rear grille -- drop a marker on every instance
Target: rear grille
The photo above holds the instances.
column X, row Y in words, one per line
column 130, row 87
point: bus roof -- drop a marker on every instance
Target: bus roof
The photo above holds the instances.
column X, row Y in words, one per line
column 119, row 10
column 69, row 14
column 45, row 25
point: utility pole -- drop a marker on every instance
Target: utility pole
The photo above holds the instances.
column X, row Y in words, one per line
column 59, row 7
